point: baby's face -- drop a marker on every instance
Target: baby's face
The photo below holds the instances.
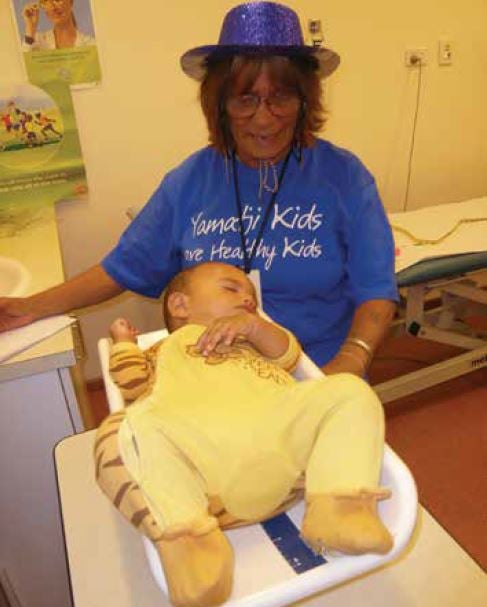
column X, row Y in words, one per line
column 218, row 290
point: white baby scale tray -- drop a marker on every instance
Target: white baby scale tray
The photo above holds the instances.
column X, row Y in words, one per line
column 272, row 565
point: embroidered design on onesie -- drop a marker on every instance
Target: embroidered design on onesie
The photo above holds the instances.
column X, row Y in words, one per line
column 242, row 354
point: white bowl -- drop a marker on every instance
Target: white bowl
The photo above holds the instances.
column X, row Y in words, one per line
column 14, row 277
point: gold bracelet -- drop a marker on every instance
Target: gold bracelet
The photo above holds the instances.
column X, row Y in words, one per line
column 361, row 344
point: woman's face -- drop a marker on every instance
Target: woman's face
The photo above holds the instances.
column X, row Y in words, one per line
column 264, row 135
column 57, row 11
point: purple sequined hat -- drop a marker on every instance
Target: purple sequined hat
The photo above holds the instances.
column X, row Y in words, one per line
column 259, row 28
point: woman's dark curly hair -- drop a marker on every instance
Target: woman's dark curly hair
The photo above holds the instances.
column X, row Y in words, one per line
column 236, row 74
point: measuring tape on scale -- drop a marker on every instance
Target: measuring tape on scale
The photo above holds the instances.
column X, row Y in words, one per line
column 284, row 534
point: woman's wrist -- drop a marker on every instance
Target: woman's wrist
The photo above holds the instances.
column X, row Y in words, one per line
column 41, row 305
column 358, row 348
column 347, row 361
column 351, row 359
column 360, row 343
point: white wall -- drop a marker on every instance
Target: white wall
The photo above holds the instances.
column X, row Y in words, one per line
column 144, row 118
column 373, row 96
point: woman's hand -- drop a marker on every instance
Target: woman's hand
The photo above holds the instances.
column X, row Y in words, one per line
column 225, row 330
column 31, row 19
column 346, row 362
column 15, row 312
column 122, row 329
column 91, row 287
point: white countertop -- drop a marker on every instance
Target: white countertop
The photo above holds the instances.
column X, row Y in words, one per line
column 33, row 241
column 108, row 565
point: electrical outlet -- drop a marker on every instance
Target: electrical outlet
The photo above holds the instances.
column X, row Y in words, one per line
column 315, row 32
column 445, row 52
column 414, row 57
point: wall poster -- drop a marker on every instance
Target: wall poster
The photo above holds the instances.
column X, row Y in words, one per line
column 40, row 152
column 57, row 40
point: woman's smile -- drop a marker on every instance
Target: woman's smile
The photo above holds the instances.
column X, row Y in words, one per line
column 264, row 139
column 263, row 136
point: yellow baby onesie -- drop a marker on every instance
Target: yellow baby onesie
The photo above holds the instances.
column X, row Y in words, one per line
column 236, row 429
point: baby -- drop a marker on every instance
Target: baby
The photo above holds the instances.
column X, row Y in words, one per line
column 221, row 434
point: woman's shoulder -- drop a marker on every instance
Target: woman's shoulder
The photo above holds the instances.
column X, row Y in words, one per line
column 340, row 165
column 201, row 164
column 182, row 181
column 327, row 148
column 204, row 157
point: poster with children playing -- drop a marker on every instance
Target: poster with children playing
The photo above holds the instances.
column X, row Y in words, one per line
column 29, row 127
column 40, row 151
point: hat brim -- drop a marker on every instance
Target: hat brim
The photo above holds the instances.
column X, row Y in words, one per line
column 194, row 61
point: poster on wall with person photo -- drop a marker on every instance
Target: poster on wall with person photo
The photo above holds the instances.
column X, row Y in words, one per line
column 40, row 151
column 57, row 41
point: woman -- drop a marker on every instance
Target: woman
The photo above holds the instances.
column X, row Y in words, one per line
column 64, row 32
column 266, row 195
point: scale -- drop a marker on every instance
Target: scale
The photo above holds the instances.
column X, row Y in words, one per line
column 273, row 566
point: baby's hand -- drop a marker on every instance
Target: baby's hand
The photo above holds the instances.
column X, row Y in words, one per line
column 122, row 330
column 225, row 330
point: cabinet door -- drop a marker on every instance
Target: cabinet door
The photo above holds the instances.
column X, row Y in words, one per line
column 34, row 416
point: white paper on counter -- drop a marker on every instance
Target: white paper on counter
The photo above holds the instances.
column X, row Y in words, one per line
column 15, row 341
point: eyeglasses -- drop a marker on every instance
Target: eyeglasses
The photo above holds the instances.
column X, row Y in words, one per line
column 279, row 104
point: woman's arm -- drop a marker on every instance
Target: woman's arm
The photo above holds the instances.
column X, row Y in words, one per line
column 369, row 326
column 86, row 289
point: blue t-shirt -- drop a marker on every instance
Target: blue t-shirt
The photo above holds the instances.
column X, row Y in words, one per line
column 327, row 246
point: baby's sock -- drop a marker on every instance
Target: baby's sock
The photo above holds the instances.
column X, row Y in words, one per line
column 345, row 523
column 198, row 569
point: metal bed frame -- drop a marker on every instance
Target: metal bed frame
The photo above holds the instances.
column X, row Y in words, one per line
column 457, row 282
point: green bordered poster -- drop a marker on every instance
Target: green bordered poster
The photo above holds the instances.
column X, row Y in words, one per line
column 40, row 152
column 57, row 40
